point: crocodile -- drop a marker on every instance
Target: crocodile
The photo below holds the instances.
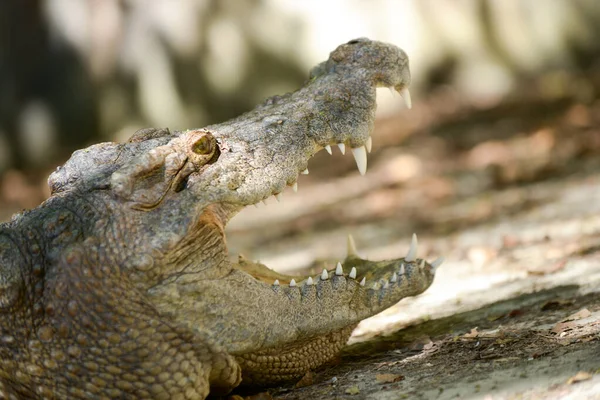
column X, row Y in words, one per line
column 120, row 285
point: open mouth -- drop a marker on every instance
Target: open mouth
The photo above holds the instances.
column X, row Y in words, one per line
column 374, row 276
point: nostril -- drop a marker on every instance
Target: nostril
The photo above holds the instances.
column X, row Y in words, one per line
column 358, row 40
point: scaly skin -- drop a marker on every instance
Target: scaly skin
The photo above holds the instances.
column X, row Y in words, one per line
column 120, row 285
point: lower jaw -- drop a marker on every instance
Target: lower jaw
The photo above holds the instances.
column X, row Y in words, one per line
column 283, row 364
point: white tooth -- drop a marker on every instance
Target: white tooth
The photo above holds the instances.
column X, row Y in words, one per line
column 278, row 197
column 362, row 283
column 305, row 172
column 437, row 263
column 374, row 287
column 394, row 277
column 295, row 187
column 392, row 91
column 293, row 283
column 369, row 144
column 386, row 285
column 412, row 251
column 422, row 265
column 406, row 96
column 324, row 275
column 264, row 202
column 402, row 269
column 276, row 283
column 328, row 148
column 342, row 147
column 352, row 273
column 309, row 281
column 256, row 205
column 339, row 271
column 360, row 156
column 351, row 247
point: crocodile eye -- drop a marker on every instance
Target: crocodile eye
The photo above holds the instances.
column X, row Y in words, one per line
column 355, row 41
column 203, row 146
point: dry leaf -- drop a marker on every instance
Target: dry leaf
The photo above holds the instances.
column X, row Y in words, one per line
column 562, row 326
column 306, row 380
column 579, row 377
column 473, row 334
column 583, row 313
column 353, row 390
column 389, row 378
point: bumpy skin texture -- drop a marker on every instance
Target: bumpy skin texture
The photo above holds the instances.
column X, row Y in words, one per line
column 120, row 285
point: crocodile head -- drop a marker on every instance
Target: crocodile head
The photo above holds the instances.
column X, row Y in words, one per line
column 145, row 223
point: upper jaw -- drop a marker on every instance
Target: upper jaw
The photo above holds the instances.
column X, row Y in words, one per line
column 263, row 154
column 263, row 151
column 260, row 164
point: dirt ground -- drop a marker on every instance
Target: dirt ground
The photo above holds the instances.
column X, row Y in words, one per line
column 509, row 194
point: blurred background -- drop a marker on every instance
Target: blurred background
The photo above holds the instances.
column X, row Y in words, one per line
column 504, row 92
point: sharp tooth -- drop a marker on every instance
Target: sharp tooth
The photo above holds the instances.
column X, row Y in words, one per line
column 264, row 202
column 374, row 287
column 394, row 277
column 293, row 283
column 392, row 91
column 422, row 265
column 278, row 197
column 386, row 285
column 437, row 263
column 342, row 147
column 402, row 269
column 328, row 148
column 305, row 172
column 324, row 275
column 295, row 187
column 412, row 251
column 364, row 280
column 256, row 205
column 339, row 271
column 360, row 156
column 309, row 281
column 352, row 273
column 276, row 283
column 406, row 96
column 351, row 247
column 369, row 144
